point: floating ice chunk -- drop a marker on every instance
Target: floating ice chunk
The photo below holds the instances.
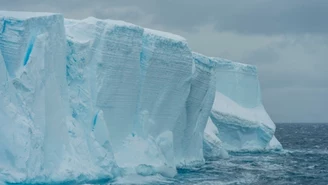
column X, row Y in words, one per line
column 274, row 144
column 149, row 156
column 212, row 144
column 145, row 170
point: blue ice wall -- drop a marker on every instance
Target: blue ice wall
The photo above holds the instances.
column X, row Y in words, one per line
column 239, row 82
column 238, row 113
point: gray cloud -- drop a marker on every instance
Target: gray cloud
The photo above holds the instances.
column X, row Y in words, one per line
column 286, row 39
column 295, row 82
column 293, row 62
column 247, row 17
column 298, row 105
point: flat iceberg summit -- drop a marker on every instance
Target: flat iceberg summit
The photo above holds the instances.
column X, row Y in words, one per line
column 87, row 100
column 25, row 15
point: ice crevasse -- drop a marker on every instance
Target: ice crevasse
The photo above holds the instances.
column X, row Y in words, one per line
column 91, row 99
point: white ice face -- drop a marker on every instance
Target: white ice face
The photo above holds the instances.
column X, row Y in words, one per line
column 78, row 98
column 103, row 74
column 33, row 51
column 39, row 140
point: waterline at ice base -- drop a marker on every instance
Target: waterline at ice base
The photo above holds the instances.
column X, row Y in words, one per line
column 91, row 100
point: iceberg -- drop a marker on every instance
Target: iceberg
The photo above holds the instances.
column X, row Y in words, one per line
column 237, row 111
column 87, row 100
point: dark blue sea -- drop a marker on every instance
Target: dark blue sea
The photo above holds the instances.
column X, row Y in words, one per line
column 303, row 161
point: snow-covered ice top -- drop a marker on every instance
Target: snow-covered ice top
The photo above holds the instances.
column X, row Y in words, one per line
column 204, row 61
column 24, row 15
column 228, row 65
column 165, row 35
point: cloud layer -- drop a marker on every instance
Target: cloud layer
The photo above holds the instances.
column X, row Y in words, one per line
column 287, row 40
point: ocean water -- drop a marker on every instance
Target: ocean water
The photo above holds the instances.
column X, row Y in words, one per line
column 303, row 161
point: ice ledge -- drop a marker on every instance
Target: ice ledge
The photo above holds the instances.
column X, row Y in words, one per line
column 224, row 105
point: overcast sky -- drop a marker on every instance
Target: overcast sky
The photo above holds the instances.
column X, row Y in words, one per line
column 286, row 39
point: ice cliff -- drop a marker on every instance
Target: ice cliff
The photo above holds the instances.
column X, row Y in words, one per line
column 92, row 99
column 237, row 112
column 39, row 139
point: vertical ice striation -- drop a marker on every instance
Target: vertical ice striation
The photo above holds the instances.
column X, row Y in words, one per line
column 78, row 98
column 189, row 148
column 165, row 64
column 103, row 73
column 239, row 82
column 39, row 140
column 33, row 51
